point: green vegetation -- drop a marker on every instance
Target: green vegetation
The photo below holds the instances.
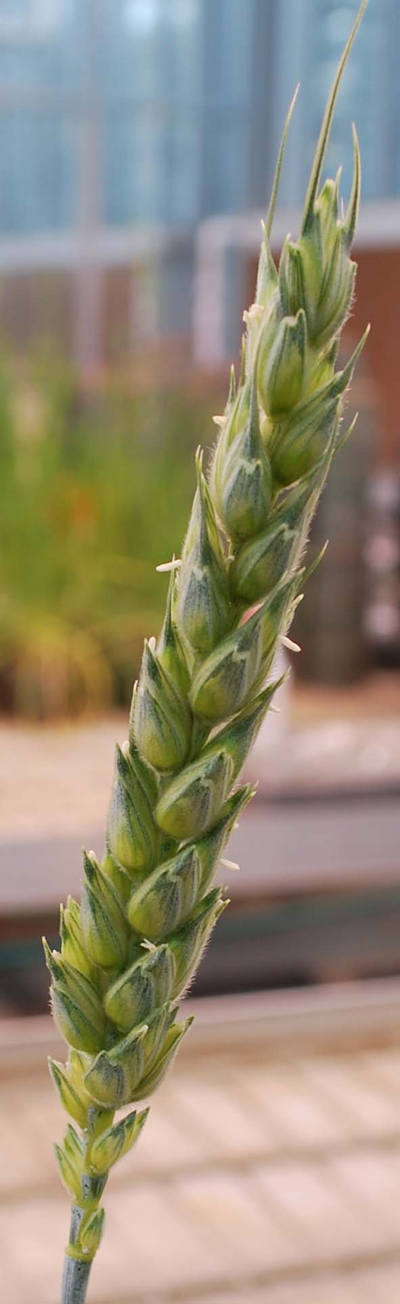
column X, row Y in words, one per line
column 94, row 493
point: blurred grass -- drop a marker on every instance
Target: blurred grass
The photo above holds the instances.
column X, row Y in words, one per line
column 94, row 492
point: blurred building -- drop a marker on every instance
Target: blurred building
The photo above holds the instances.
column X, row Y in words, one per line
column 137, row 148
column 124, row 128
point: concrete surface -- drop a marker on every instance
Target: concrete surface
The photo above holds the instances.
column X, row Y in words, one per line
column 260, row 1178
column 327, row 811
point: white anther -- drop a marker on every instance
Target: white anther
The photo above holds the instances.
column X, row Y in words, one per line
column 169, row 565
column 255, row 312
column 288, row 642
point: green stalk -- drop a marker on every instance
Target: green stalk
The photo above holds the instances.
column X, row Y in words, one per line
column 130, row 949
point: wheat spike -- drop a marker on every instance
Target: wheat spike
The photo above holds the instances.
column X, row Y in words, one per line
column 130, row 948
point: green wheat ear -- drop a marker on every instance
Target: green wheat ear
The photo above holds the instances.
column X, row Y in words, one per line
column 131, row 948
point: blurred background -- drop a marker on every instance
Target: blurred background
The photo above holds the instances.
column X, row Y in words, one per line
column 137, row 147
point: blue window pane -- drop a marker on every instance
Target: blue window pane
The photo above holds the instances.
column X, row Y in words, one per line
column 131, row 177
column 41, row 45
column 127, row 56
column 310, row 36
column 360, row 98
column 171, row 90
column 180, row 175
column 151, row 172
column 37, row 173
column 141, row 39
column 13, row 12
column 151, row 73
column 226, row 167
column 231, row 31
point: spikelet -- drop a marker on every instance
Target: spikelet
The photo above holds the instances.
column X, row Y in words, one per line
column 131, row 832
column 130, row 949
column 203, row 603
column 241, row 474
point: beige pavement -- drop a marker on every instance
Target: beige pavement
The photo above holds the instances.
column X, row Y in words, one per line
column 262, row 1175
column 55, row 785
column 56, row 780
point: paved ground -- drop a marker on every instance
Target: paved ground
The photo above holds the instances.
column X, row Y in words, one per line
column 280, row 850
column 56, row 780
column 55, row 785
column 260, row 1179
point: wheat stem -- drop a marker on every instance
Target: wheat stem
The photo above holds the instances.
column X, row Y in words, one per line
column 75, row 1280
